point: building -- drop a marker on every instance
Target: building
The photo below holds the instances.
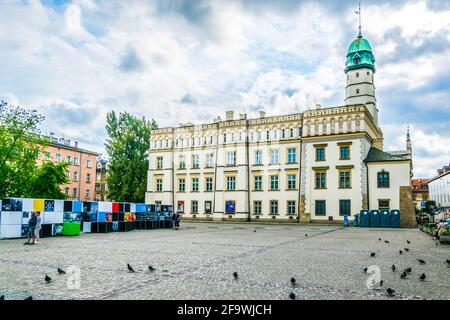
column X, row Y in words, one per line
column 419, row 192
column 314, row 166
column 101, row 187
column 439, row 188
column 81, row 172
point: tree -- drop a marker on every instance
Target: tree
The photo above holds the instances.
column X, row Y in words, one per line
column 20, row 144
column 47, row 180
column 127, row 145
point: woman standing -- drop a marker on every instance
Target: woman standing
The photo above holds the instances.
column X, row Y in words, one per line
column 38, row 227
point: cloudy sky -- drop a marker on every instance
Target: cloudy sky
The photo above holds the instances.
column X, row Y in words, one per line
column 178, row 61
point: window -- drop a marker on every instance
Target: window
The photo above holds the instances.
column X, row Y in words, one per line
column 257, row 207
column 344, row 179
column 194, row 184
column 273, row 207
column 274, row 156
column 383, row 179
column 291, row 207
column 99, row 176
column 291, row 182
column 357, row 74
column 47, row 155
column 75, row 176
column 321, row 180
column 88, row 177
column 273, row 182
column 67, row 158
column 195, row 161
column 224, row 137
column 58, row 157
column 74, row 193
column 258, row 157
column 66, row 191
column 345, row 153
column 299, row 132
column 209, row 184
column 321, row 208
column 357, row 91
column 383, row 204
column 231, row 183
column 68, row 174
column 88, row 193
column 231, row 158
column 320, row 154
column 194, row 205
column 208, row 207
column 283, row 133
column 75, row 161
column 209, row 160
column 292, row 155
column 291, row 132
column 258, row 183
column 159, row 184
column 182, row 185
column 344, row 207
column 267, row 134
column 89, row 163
column 182, row 162
column 159, row 163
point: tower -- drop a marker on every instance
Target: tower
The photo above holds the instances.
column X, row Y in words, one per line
column 360, row 69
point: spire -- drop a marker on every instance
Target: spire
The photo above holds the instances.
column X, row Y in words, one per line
column 408, row 141
column 359, row 14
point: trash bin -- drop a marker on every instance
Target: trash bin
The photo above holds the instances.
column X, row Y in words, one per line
column 71, row 228
column 345, row 220
column 364, row 220
column 394, row 218
column 384, row 219
column 355, row 220
column 375, row 218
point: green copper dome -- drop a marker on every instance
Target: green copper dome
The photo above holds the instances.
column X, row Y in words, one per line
column 359, row 55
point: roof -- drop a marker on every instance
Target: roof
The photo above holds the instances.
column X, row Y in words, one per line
column 360, row 55
column 376, row 155
column 439, row 176
column 418, row 183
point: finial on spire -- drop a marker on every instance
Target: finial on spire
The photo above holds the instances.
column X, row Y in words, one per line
column 359, row 14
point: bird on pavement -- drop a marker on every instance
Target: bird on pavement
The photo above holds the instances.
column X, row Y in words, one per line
column 365, row 269
column 235, row 275
column 403, row 275
column 379, row 239
column 400, row 251
column 372, row 254
column 421, row 261
column 254, row 230
column 408, row 242
column 393, row 268
column 48, row 279
column 293, row 281
column 29, row 298
column 61, row 271
column 306, row 234
column 406, row 249
column 422, row 277
column 408, row 270
column 151, row 269
column 448, row 262
column 292, row 296
column 386, row 241
column 390, row 292
column 381, row 283
column 130, row 268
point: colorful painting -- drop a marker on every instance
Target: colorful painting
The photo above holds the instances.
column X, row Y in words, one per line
column 230, row 207
column 180, row 206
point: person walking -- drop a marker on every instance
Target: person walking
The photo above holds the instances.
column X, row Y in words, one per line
column 32, row 227
column 174, row 220
column 177, row 221
column 37, row 229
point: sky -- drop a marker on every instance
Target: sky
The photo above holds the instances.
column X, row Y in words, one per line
column 180, row 61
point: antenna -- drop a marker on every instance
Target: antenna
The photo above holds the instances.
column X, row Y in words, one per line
column 359, row 14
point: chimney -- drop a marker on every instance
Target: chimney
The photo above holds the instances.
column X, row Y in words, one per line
column 76, row 144
column 230, row 115
column 217, row 120
column 262, row 114
column 67, row 142
column 318, row 106
column 242, row 116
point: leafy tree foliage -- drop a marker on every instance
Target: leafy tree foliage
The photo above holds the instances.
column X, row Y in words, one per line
column 47, row 180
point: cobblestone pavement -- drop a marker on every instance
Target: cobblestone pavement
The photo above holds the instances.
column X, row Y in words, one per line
column 198, row 261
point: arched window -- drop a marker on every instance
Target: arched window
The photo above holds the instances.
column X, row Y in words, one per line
column 358, row 123
column 383, row 179
column 332, row 125
column 341, row 125
column 316, row 127
column 349, row 124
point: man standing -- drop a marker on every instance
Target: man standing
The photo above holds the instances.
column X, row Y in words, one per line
column 32, row 228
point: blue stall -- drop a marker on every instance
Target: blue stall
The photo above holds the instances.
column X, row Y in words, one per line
column 384, row 219
column 394, row 218
column 374, row 218
column 364, row 217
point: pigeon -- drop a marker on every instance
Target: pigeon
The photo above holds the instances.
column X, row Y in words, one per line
column 421, row 261
column 61, row 271
column 306, row 234
column 408, row 242
column 2, row 297
column 254, row 230
column 393, row 268
column 408, row 270
column 448, row 262
column 400, row 251
column 47, row 279
column 130, row 268
column 365, row 269
column 386, row 241
column 390, row 291
column 381, row 283
column 235, row 275
column 422, row 277
column 403, row 275
column 151, row 269
column 29, row 298
column 406, row 249
column 292, row 296
column 379, row 239
column 293, row 281
column 372, row 254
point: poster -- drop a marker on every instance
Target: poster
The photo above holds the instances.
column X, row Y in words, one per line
column 230, row 207
column 180, row 206
column 207, row 206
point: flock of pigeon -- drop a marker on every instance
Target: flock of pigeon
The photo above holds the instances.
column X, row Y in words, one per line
column 390, row 291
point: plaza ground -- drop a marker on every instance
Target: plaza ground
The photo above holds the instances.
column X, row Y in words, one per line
column 198, row 261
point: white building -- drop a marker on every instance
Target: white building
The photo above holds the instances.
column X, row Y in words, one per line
column 314, row 166
column 439, row 188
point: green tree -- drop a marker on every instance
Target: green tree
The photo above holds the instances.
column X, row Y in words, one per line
column 47, row 180
column 20, row 144
column 127, row 145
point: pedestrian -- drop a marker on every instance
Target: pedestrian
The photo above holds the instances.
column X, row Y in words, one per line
column 38, row 227
column 174, row 220
column 177, row 221
column 32, row 227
